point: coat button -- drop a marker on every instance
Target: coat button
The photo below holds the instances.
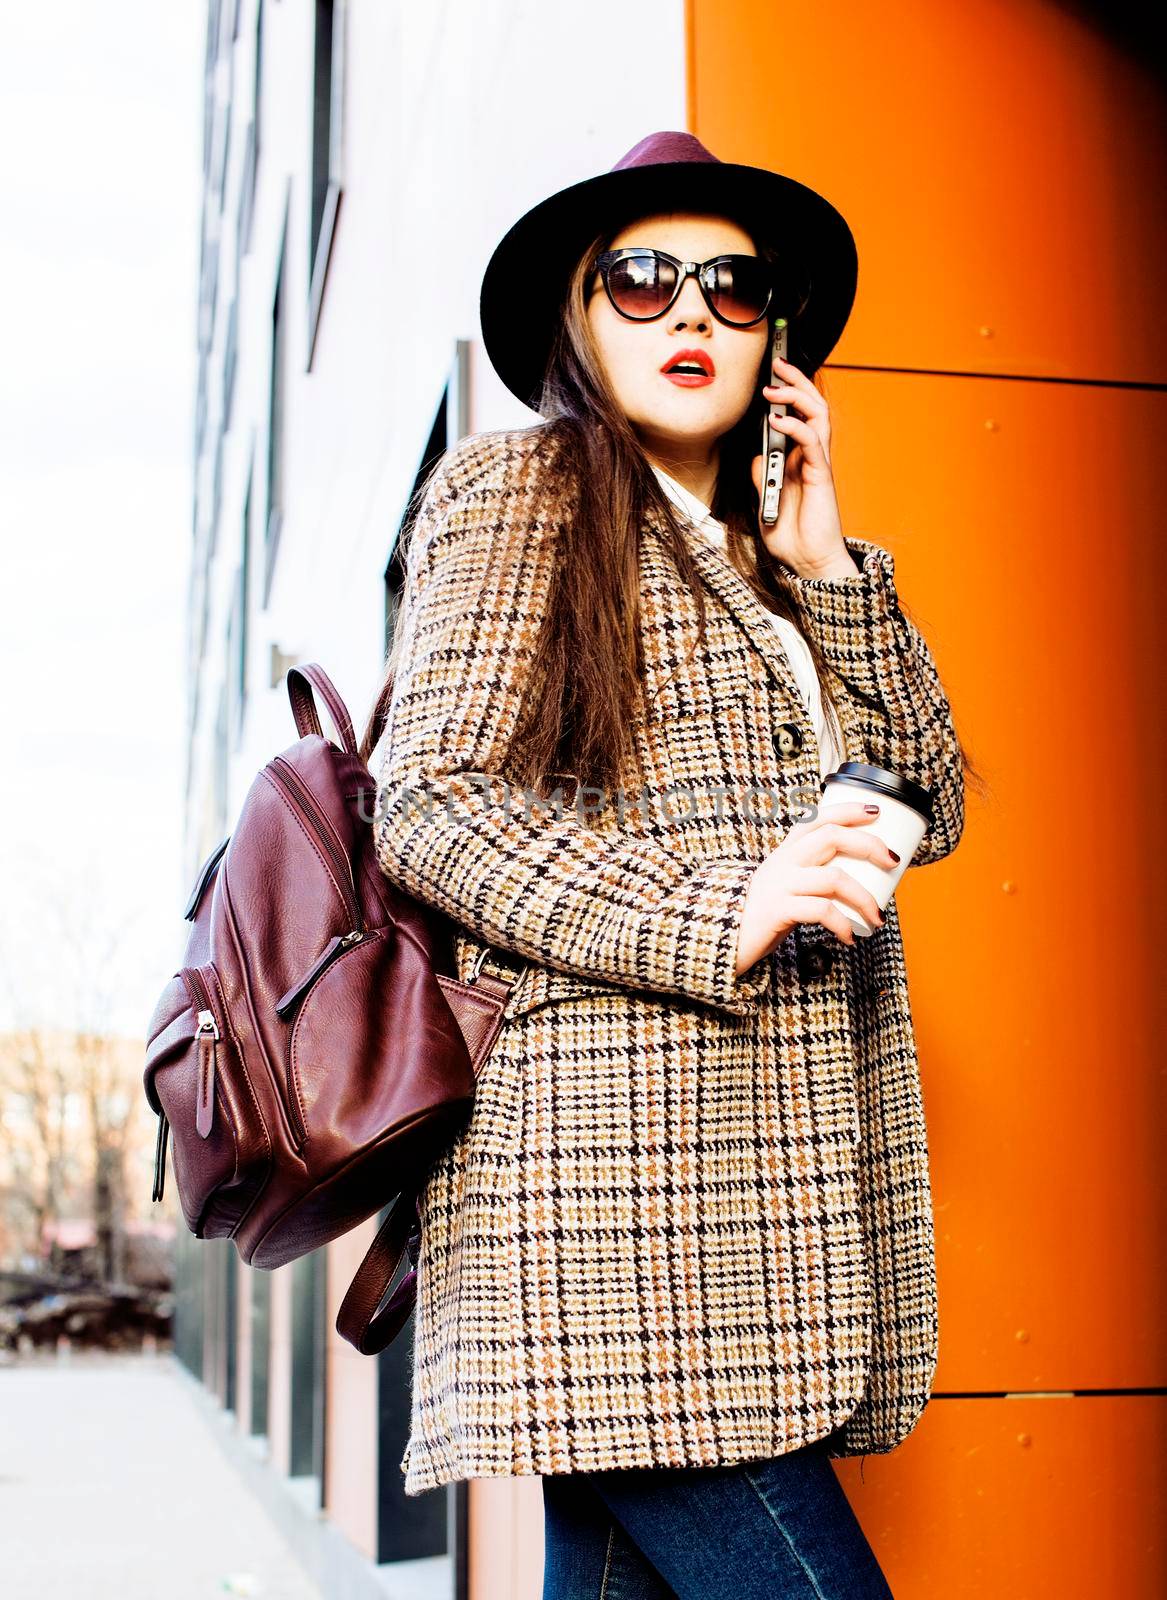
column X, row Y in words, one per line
column 787, row 740
column 813, row 961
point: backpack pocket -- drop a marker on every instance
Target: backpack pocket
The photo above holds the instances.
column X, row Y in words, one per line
column 185, row 1058
column 354, row 1087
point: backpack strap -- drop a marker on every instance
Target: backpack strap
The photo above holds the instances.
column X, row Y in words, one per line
column 301, row 680
column 358, row 1320
column 478, row 1008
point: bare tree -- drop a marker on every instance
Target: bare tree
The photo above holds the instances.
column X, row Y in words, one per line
column 71, row 1097
column 34, row 1097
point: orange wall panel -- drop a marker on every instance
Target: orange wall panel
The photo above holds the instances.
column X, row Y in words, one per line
column 1002, row 168
column 997, row 426
column 1034, row 958
column 1021, row 1500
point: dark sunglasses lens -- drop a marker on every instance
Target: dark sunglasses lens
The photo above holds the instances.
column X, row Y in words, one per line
column 740, row 288
column 640, row 285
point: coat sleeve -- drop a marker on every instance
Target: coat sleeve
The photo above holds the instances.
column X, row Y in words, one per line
column 891, row 680
column 452, row 832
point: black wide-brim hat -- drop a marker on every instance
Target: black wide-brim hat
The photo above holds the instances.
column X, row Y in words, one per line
column 526, row 278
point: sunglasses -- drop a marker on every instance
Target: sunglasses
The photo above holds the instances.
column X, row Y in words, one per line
column 642, row 284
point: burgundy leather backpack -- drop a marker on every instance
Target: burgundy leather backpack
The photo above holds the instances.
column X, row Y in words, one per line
column 309, row 1059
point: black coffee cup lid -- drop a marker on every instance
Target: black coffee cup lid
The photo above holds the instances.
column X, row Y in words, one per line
column 908, row 792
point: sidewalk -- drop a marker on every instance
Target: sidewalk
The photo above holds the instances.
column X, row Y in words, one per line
column 112, row 1487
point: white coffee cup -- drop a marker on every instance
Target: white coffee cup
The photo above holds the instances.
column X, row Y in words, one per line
column 905, row 810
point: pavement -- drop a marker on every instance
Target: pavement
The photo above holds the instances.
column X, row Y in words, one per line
column 113, row 1487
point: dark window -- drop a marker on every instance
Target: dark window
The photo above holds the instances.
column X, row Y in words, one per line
column 435, row 1523
column 233, row 624
column 200, row 427
column 208, row 286
column 258, row 80
column 221, row 765
column 223, row 133
column 408, row 1529
column 327, row 109
column 212, row 55
column 395, row 567
column 246, row 209
column 189, row 1298
column 196, row 637
column 204, row 613
column 451, row 423
column 217, row 116
column 275, row 415
column 230, row 1269
column 260, row 1348
column 309, row 1325
column 247, row 181
column 216, row 498
column 230, row 355
column 240, row 618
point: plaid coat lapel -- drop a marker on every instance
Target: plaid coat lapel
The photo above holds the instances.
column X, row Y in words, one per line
column 724, row 581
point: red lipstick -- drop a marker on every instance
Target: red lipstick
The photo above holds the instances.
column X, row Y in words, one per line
column 687, row 377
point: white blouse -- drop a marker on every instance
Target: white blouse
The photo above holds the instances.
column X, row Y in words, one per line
column 797, row 651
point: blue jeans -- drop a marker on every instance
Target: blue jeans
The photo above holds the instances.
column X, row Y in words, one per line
column 757, row 1530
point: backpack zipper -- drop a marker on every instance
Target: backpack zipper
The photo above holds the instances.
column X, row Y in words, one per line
column 207, row 1041
column 206, row 1037
column 290, row 781
column 336, row 946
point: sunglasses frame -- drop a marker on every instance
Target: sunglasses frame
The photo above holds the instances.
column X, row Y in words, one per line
column 685, row 269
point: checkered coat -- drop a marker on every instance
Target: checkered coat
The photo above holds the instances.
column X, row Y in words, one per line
column 689, row 1221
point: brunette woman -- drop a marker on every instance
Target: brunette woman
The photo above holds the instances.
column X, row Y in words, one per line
column 682, row 1254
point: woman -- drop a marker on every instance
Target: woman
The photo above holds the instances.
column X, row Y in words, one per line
column 681, row 1256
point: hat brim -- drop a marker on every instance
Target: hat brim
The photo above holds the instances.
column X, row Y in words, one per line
column 520, row 306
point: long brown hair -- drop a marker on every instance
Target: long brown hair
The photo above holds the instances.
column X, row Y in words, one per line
column 578, row 712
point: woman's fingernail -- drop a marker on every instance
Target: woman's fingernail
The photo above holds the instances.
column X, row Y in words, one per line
column 872, row 809
column 894, row 854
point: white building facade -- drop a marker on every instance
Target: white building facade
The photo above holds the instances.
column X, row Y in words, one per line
column 361, row 160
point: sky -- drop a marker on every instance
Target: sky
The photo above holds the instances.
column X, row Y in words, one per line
column 100, row 182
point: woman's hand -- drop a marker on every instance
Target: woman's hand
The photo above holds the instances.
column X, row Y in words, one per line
column 808, row 535
column 796, row 882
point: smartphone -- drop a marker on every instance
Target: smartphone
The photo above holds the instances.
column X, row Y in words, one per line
column 773, row 439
